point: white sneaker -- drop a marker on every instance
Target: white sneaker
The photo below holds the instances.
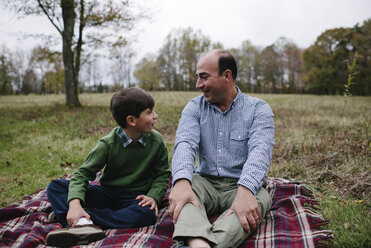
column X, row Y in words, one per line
column 84, row 221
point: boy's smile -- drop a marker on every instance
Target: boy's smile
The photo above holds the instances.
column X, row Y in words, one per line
column 146, row 121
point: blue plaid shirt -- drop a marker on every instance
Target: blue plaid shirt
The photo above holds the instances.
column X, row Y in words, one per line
column 237, row 143
column 126, row 140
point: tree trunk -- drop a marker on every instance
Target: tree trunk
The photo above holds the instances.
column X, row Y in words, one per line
column 69, row 15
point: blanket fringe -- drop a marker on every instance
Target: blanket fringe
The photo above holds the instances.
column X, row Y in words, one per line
column 321, row 237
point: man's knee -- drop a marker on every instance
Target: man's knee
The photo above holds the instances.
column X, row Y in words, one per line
column 264, row 200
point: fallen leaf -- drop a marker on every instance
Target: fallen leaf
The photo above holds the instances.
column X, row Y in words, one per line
column 67, row 164
column 346, row 225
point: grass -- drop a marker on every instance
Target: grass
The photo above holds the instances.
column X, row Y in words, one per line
column 317, row 142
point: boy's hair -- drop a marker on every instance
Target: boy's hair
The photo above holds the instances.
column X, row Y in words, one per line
column 130, row 101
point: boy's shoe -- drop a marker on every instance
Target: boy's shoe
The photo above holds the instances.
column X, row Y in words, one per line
column 51, row 217
column 77, row 235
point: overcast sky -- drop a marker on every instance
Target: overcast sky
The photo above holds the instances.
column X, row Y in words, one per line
column 227, row 21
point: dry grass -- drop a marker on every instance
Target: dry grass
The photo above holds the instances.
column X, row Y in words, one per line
column 317, row 142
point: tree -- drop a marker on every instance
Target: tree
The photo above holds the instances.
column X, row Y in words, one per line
column 246, row 56
column 293, row 67
column 325, row 61
column 191, row 45
column 148, row 74
column 179, row 55
column 121, row 60
column 30, row 82
column 77, row 21
column 362, row 45
column 5, row 72
column 272, row 72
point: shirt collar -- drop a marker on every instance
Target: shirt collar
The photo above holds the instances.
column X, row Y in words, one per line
column 126, row 140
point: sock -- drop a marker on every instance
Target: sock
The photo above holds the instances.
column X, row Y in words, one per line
column 84, row 221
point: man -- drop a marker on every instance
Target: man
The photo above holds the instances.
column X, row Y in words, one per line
column 233, row 136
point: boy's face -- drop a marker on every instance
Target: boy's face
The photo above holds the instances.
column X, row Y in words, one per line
column 146, row 121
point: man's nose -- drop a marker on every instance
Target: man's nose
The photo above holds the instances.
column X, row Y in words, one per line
column 199, row 83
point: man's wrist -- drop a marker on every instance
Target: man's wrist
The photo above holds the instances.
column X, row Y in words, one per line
column 183, row 182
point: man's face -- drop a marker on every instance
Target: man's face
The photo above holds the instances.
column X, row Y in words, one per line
column 214, row 87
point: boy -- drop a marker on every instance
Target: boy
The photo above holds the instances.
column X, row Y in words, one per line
column 133, row 183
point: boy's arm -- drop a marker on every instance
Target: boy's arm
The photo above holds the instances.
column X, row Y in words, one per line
column 162, row 175
column 93, row 163
column 75, row 212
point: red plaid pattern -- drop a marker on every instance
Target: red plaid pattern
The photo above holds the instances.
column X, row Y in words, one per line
column 293, row 222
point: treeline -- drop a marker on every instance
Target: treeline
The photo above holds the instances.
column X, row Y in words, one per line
column 278, row 68
column 281, row 67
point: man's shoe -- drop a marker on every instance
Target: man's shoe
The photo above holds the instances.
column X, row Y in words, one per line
column 77, row 235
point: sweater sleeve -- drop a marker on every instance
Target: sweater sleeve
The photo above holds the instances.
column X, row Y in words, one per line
column 161, row 175
column 93, row 163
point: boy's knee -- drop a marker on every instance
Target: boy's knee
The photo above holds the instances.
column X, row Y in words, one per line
column 58, row 184
column 143, row 216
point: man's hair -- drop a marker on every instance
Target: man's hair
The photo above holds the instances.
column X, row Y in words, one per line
column 227, row 61
column 130, row 101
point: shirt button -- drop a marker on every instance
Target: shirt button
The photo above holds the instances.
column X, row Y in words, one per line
column 219, row 150
column 239, row 137
column 220, row 133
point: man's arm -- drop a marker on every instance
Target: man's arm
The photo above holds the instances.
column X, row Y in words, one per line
column 185, row 149
column 255, row 169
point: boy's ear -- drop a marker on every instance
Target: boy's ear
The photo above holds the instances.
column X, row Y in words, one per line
column 130, row 120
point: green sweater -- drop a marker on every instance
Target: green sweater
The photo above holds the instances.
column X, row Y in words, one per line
column 134, row 168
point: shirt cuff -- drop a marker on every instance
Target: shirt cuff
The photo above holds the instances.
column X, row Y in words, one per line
column 184, row 174
column 254, row 188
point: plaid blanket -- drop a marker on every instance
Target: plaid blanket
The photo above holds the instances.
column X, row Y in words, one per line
column 293, row 221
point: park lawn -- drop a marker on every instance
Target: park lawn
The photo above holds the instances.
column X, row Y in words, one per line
column 322, row 141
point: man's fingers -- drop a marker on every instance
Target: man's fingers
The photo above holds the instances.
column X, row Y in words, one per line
column 252, row 222
column 177, row 210
column 229, row 212
column 195, row 203
column 245, row 224
column 171, row 209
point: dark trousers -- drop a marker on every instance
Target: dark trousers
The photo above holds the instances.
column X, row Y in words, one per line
column 109, row 207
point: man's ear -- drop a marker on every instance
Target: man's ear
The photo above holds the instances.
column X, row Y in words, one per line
column 130, row 120
column 228, row 74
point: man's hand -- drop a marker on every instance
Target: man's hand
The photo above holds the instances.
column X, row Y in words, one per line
column 147, row 201
column 247, row 209
column 75, row 212
column 181, row 194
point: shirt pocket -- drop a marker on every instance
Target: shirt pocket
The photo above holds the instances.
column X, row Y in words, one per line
column 238, row 142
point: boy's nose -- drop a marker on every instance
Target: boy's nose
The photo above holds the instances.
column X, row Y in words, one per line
column 155, row 116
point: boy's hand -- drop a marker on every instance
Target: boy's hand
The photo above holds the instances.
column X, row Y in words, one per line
column 147, row 201
column 75, row 212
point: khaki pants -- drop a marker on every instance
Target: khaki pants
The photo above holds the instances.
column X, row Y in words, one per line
column 216, row 196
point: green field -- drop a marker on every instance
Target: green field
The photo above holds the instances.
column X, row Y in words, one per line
column 322, row 141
